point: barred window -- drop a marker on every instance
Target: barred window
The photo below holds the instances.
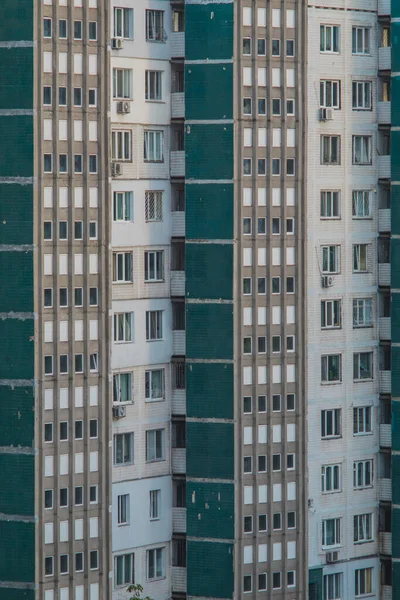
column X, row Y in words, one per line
column 153, row 206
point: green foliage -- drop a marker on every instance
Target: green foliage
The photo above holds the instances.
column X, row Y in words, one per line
column 137, row 590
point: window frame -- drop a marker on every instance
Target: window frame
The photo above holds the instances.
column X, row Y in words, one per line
column 361, row 199
column 122, row 83
column 124, row 437
column 153, row 86
column 336, row 531
column 363, row 420
column 162, row 573
column 363, row 524
column 329, row 155
column 361, row 95
column 149, row 374
column 331, row 475
column 154, row 263
column 121, row 145
column 365, row 150
column 363, row 308
column 361, row 47
column 155, row 32
column 123, row 328
column 332, row 423
column 151, row 445
column 331, row 314
column 153, row 141
column 125, row 29
column 329, row 200
column 123, row 505
column 363, row 474
column 358, row 370
column 325, row 93
column 117, row 387
column 154, row 330
column 122, row 558
column 334, row 39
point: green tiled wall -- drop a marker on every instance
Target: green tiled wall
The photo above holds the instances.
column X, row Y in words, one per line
column 210, row 268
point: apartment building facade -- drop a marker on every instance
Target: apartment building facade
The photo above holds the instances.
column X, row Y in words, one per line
column 198, row 258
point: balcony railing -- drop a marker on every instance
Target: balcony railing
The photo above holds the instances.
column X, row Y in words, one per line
column 178, row 223
column 178, row 105
column 179, row 520
column 383, row 8
column 179, row 342
column 384, row 170
column 385, row 543
column 177, row 283
column 384, row 216
column 386, row 592
column 385, row 490
column 384, row 58
column 384, row 274
column 177, row 164
column 384, row 110
column 178, row 577
column 178, row 456
column 385, row 382
column 177, row 44
column 385, row 328
column 385, row 435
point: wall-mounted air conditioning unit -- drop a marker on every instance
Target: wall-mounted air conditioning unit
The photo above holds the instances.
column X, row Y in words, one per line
column 119, row 411
column 117, row 43
column 123, row 108
column 326, row 114
column 116, row 169
column 327, row 281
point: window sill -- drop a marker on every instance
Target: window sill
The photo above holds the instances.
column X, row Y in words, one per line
column 150, row 400
column 158, row 340
column 154, row 162
column 123, row 524
column 365, row 487
column 362, row 434
column 151, row 101
column 332, row 492
column 369, row 326
column 330, row 382
column 363, row 380
column 154, row 280
column 369, row 218
column 155, row 460
column 330, row 328
column 332, row 437
column 363, row 542
column 156, row 578
column 330, row 218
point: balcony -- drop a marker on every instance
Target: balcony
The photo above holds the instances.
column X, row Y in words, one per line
column 384, row 110
column 384, row 8
column 384, row 170
column 178, row 223
column 384, row 217
column 178, row 283
column 385, row 324
column 385, row 382
column 385, row 435
column 386, row 592
column 177, row 164
column 385, row 490
column 384, row 274
column 178, row 402
column 384, row 58
column 179, row 520
column 179, row 342
column 178, row 105
column 178, row 456
column 178, row 44
column 385, row 542
column 178, row 577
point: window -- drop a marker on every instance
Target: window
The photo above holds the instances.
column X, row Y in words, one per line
column 47, row 95
column 363, row 365
column 49, row 566
column 329, row 94
column 153, row 85
column 154, row 384
column 155, row 504
column 363, row 473
column 93, row 296
column 153, row 146
column 331, row 423
column 123, row 449
column 362, row 312
column 261, row 47
column 92, row 163
column 123, row 327
column 123, row 206
column 247, row 106
column 48, row 365
column 361, row 205
column 361, row 40
column 123, row 509
column 331, row 480
column 48, row 498
column 333, row 586
column 123, row 23
column 276, row 580
column 362, row 420
column 122, row 83
column 262, row 106
column 123, row 387
column 122, row 267
column 124, row 569
column 155, row 26
column 331, row 367
column 64, row 564
column 329, row 38
column 77, row 30
column 62, row 96
column 78, row 96
column 48, row 163
column 92, row 30
column 363, row 528
column 48, row 432
column 276, row 106
column 330, row 149
column 247, row 166
column 78, row 495
column 62, row 29
column 93, row 230
column 94, row 362
column 154, row 325
column 360, row 258
column 362, row 150
column 330, row 259
column 290, row 107
column 78, row 163
column 79, row 562
column 276, row 47
column 121, row 144
column 92, row 97
column 331, row 314
column 363, row 581
column 247, row 583
column 155, row 563
column 330, row 532
column 153, row 206
column 47, row 28
column 289, row 47
column 155, row 445
column 248, row 524
column 362, row 95
column 154, row 266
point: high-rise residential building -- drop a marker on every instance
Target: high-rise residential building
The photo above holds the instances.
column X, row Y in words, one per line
column 198, row 299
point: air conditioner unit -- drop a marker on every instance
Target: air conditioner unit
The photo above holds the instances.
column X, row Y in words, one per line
column 117, row 43
column 123, row 107
column 327, row 281
column 116, row 169
column 332, row 557
column 326, row 114
column 119, row 411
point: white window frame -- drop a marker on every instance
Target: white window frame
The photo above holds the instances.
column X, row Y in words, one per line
column 122, row 267
column 361, row 258
column 331, row 314
column 153, row 86
column 155, row 505
column 333, row 586
column 363, row 528
column 153, row 206
column 329, row 93
column 363, row 582
column 329, row 154
column 363, row 154
column 123, row 327
column 361, row 41
column 123, row 509
column 361, row 95
column 123, row 207
column 327, row 364
column 331, row 475
column 123, row 559
column 117, row 388
column 336, row 523
column 362, row 420
column 153, row 145
column 358, row 358
column 329, row 39
column 361, row 204
column 363, row 474
column 157, row 569
column 124, row 437
column 155, row 26
column 330, row 204
column 331, row 418
column 362, row 312
column 155, row 441
column 153, row 265
column 121, row 144
column 330, row 259
column 122, row 84
column 154, row 325
column 150, row 389
column 123, row 23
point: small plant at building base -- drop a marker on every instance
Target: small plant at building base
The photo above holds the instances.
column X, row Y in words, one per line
column 137, row 590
